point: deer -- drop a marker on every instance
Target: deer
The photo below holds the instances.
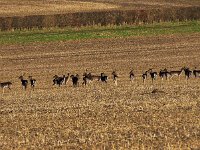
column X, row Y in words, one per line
column 58, row 80
column 144, row 76
column 131, row 75
column 23, row 82
column 66, row 79
column 4, row 85
column 32, row 81
column 176, row 73
column 85, row 80
column 153, row 74
column 88, row 77
column 75, row 79
column 103, row 78
column 196, row 73
column 115, row 77
column 188, row 72
column 163, row 73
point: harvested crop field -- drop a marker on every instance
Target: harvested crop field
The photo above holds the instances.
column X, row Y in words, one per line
column 64, row 13
column 46, row 7
column 163, row 115
column 24, row 8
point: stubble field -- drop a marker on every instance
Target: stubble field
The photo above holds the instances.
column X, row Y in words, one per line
column 46, row 7
column 164, row 115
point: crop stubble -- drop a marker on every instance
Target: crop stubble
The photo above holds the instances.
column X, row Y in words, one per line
column 100, row 116
column 46, row 7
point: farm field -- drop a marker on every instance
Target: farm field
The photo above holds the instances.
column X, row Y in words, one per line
column 46, row 7
column 163, row 115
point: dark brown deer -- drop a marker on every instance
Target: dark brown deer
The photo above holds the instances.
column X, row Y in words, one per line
column 32, row 81
column 188, row 72
column 23, row 82
column 103, row 78
column 196, row 72
column 163, row 73
column 58, row 80
column 144, row 76
column 75, row 79
column 153, row 75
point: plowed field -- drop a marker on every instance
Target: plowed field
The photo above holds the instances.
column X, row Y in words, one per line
column 163, row 115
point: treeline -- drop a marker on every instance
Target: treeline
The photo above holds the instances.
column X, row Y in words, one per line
column 102, row 18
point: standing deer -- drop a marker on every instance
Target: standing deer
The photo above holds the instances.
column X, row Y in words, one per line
column 103, row 78
column 131, row 75
column 75, row 79
column 32, row 81
column 196, row 73
column 4, row 85
column 163, row 73
column 88, row 77
column 115, row 77
column 153, row 75
column 188, row 72
column 24, row 82
column 58, row 80
column 144, row 76
column 66, row 79
column 176, row 73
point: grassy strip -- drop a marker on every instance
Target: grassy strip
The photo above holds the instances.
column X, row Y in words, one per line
column 56, row 34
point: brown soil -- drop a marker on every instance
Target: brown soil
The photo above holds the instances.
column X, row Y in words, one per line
column 164, row 115
column 120, row 54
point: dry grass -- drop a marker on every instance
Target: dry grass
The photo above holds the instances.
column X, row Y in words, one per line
column 101, row 116
column 24, row 7
column 44, row 7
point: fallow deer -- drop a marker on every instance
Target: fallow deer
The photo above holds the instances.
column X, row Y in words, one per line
column 23, row 82
column 32, row 81
column 153, row 75
column 115, row 77
column 58, row 80
column 176, row 73
column 131, row 75
column 75, row 79
column 196, row 72
column 103, row 78
column 4, row 85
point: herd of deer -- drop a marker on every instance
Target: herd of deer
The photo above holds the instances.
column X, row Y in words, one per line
column 89, row 77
